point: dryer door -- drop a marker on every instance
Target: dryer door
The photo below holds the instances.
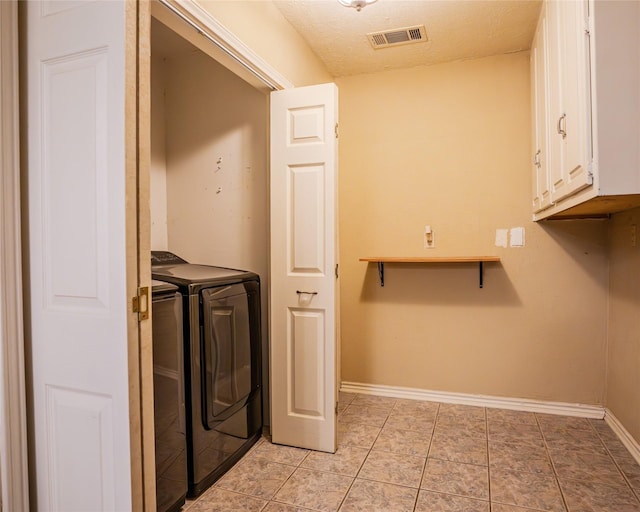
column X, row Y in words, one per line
column 227, row 355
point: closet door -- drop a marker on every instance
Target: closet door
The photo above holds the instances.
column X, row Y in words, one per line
column 80, row 217
column 304, row 267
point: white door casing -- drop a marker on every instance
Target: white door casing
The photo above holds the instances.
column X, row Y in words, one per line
column 303, row 266
column 75, row 64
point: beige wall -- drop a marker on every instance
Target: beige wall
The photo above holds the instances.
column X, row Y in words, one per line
column 216, row 212
column 448, row 146
column 260, row 25
column 623, row 377
column 212, row 213
column 158, row 172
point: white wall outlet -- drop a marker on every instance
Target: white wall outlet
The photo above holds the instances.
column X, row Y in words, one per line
column 429, row 238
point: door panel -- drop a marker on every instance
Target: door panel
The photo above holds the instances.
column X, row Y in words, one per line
column 303, row 258
column 569, row 106
column 306, row 237
column 577, row 128
column 306, row 362
column 540, row 92
column 75, row 79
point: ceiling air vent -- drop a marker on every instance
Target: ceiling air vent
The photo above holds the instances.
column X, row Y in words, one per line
column 398, row 36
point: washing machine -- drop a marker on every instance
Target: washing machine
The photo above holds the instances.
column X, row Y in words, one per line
column 222, row 363
column 168, row 397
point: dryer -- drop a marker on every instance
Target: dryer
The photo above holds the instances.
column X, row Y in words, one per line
column 222, row 363
column 168, row 398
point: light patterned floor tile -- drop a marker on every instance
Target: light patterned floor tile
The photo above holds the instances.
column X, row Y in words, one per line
column 508, row 416
column 589, row 467
column 219, row 500
column 500, row 507
column 591, row 497
column 630, row 468
column 604, row 430
column 274, row 506
column 367, row 415
column 314, row 490
column 418, row 421
column 369, row 496
column 454, row 478
column 521, row 475
column 408, row 442
column 404, row 405
column 469, row 427
column 381, row 402
column 279, row 453
column 519, row 457
column 464, row 449
column 346, row 461
column 574, row 439
column 549, row 422
column 345, row 398
column 516, row 433
column 393, row 468
column 455, row 411
column 416, row 406
column 436, row 502
column 256, row 477
column 526, row 490
column 357, row 434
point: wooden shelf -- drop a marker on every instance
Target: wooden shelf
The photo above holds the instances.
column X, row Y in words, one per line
column 480, row 260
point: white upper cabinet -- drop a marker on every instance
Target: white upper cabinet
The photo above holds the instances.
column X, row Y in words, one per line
column 539, row 142
column 585, row 65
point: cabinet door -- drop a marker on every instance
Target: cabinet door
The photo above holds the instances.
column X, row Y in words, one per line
column 570, row 112
column 539, row 92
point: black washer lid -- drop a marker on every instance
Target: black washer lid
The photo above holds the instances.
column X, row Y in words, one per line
column 162, row 287
column 165, row 258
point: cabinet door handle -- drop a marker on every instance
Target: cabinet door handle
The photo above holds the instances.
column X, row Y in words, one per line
column 562, row 125
column 536, row 159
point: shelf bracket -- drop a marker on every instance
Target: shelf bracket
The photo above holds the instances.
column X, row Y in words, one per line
column 481, row 269
column 381, row 272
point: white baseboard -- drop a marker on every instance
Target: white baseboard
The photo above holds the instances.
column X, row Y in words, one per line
column 516, row 404
column 623, row 434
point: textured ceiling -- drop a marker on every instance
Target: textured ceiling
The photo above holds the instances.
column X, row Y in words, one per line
column 456, row 29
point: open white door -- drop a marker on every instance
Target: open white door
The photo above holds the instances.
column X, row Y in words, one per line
column 75, row 78
column 304, row 266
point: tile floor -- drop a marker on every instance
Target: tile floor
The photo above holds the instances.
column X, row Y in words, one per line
column 404, row 455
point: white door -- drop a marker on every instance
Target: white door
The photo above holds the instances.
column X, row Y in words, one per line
column 75, row 65
column 303, row 266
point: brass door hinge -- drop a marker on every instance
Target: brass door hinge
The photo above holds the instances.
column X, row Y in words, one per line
column 141, row 303
column 336, row 130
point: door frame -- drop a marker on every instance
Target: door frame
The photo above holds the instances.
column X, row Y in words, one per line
column 194, row 23
column 13, row 411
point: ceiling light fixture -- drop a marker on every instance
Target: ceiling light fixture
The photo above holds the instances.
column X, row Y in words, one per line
column 356, row 4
